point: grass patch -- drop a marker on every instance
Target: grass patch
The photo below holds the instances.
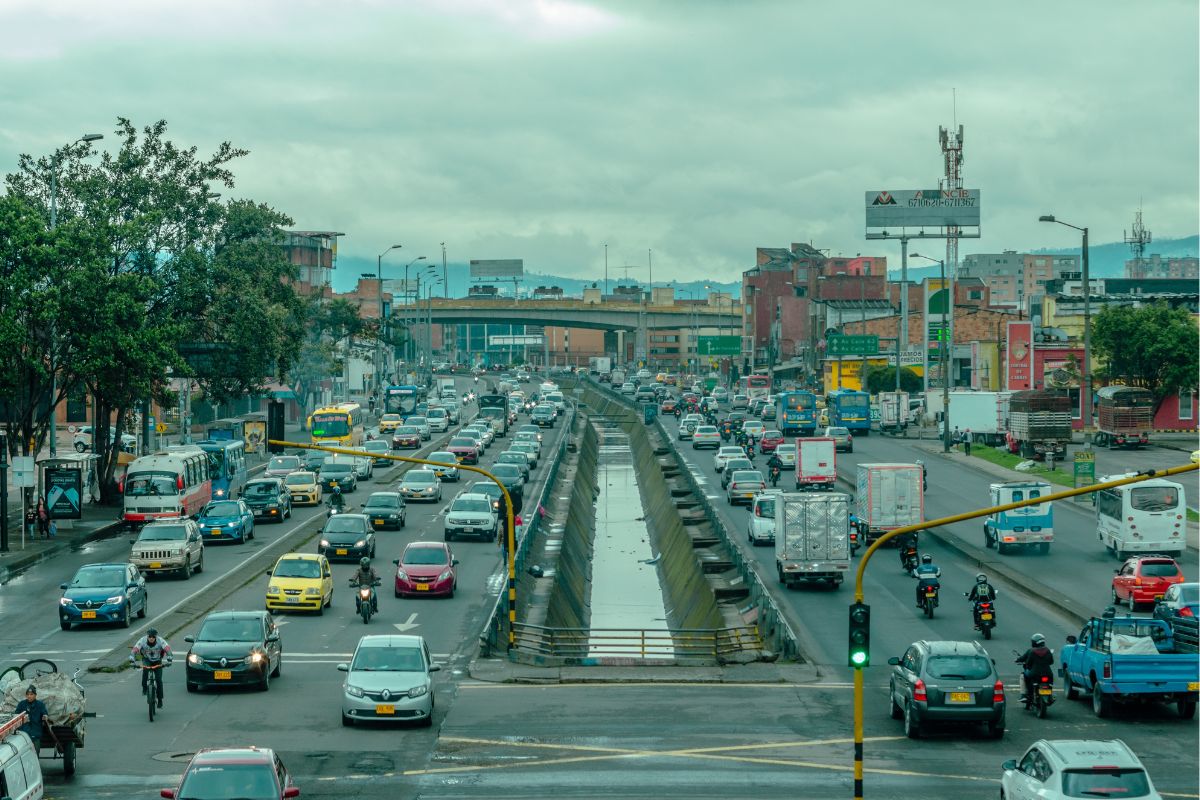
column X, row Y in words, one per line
column 1005, row 459
column 1193, row 515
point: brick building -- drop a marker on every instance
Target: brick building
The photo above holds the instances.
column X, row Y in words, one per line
column 1157, row 266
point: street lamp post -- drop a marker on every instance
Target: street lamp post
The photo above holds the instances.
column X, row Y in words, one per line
column 945, row 347
column 379, row 336
column 1087, row 326
column 409, row 351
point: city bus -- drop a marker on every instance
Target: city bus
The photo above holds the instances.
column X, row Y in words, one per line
column 226, row 466
column 796, row 413
column 340, row 425
column 850, row 409
column 401, row 400
column 1145, row 517
column 754, row 386
column 166, row 485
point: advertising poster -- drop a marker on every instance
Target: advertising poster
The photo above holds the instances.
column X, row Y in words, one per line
column 1020, row 355
column 64, row 492
column 256, row 436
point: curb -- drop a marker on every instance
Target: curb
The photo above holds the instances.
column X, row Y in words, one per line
column 23, row 561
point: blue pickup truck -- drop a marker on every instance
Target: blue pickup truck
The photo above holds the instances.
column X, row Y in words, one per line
column 1131, row 659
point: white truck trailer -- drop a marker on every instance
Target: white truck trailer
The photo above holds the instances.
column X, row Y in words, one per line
column 812, row 537
column 888, row 496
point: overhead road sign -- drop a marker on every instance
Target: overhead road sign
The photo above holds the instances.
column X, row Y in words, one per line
column 922, row 208
column 857, row 345
column 515, row 341
column 502, row 268
column 719, row 345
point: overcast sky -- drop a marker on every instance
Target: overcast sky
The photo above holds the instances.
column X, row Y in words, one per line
column 541, row 129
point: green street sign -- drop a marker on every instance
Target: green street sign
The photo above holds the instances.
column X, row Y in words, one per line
column 857, row 345
column 719, row 345
column 1085, row 473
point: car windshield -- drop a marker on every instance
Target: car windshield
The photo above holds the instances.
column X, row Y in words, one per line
column 383, row 501
column 1189, row 593
column 1159, row 569
column 300, row 479
column 408, row 430
column 418, row 422
column 148, row 484
column 388, row 659
column 390, row 418
column 162, row 533
column 284, row 462
column 472, row 505
column 99, row 577
column 462, row 441
column 965, row 668
column 336, row 468
column 772, row 435
column 765, row 508
column 376, row 446
column 424, row 556
column 729, row 452
column 230, row 782
column 231, row 630
column 420, row 476
column 1153, row 498
column 706, row 429
column 297, row 568
column 736, row 463
column 437, row 413
column 506, row 470
column 489, row 488
column 260, row 489
column 345, row 523
column 836, row 431
column 747, row 476
column 443, row 457
column 511, row 458
column 1105, row 782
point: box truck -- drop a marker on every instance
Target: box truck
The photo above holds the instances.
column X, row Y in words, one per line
column 888, row 496
column 812, row 537
column 816, row 463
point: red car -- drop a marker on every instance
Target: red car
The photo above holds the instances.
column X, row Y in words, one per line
column 464, row 449
column 235, row 772
column 426, row 568
column 406, row 437
column 769, row 441
column 1145, row 579
column 668, row 406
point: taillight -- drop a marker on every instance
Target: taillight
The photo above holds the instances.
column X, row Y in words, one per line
column 1045, row 679
column 1186, row 612
column 919, row 692
column 179, row 482
column 121, row 486
column 998, row 692
column 1107, row 670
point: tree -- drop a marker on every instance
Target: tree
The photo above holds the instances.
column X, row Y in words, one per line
column 1154, row 346
column 883, row 379
column 331, row 327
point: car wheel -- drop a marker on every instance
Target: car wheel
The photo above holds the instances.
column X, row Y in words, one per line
column 1129, row 602
column 897, row 711
column 372, row 551
column 1069, row 689
column 320, row 609
column 912, row 727
column 347, row 721
column 996, row 729
column 200, row 563
column 64, row 624
column 397, row 591
column 80, row 447
column 1101, row 704
column 187, row 568
column 275, row 673
column 403, row 519
column 265, row 684
column 1116, row 601
column 125, row 618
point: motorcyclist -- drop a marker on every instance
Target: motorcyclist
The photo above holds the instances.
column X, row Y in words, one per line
column 927, row 574
column 1037, row 661
column 337, row 500
column 924, row 476
column 365, row 576
column 981, row 592
column 908, row 552
column 153, row 651
column 775, row 468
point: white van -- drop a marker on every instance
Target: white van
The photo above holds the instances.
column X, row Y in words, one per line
column 1145, row 517
column 20, row 772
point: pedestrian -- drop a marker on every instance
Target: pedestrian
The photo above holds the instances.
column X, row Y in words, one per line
column 30, row 521
column 43, row 518
column 967, row 441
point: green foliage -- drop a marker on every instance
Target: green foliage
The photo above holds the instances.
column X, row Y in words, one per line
column 331, row 326
column 883, row 379
column 1154, row 347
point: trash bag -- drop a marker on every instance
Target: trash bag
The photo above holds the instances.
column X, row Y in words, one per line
column 64, row 700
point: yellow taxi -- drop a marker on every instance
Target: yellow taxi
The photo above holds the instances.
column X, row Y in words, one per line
column 389, row 422
column 304, row 488
column 300, row 582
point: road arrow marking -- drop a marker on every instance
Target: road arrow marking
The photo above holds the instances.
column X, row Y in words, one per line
column 407, row 626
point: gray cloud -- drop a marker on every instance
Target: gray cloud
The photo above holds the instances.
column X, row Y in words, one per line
column 542, row 129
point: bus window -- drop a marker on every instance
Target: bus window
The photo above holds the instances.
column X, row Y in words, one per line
column 1153, row 498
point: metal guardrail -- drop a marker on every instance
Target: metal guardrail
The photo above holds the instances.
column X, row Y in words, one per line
column 635, row 642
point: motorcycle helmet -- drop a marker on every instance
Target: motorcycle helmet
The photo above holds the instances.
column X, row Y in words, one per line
column 927, row 559
column 364, row 562
column 337, row 490
column 920, row 463
column 981, row 578
column 1038, row 640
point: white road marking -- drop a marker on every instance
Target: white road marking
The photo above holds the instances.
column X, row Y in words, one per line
column 409, row 625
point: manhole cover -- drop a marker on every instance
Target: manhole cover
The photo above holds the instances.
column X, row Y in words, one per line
column 182, row 758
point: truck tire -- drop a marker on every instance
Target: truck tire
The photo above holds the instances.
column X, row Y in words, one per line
column 1101, row 703
column 1187, row 709
column 1069, row 688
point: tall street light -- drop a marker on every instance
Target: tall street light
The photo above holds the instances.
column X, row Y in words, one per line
column 1087, row 327
column 945, row 348
column 86, row 138
column 379, row 335
column 408, row 347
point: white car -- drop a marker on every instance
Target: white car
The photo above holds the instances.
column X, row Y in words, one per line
column 422, row 424
column 83, row 439
column 364, row 467
column 753, row 427
column 761, row 529
column 1069, row 768
column 439, row 420
column 787, row 454
column 472, row 515
column 628, row 388
column 377, row 448
column 706, row 436
column 726, row 452
column 389, row 678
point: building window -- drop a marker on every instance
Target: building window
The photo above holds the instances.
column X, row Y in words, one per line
column 1075, row 412
column 975, row 294
column 1187, row 402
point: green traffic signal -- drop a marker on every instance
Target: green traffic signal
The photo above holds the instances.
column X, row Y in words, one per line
column 860, row 635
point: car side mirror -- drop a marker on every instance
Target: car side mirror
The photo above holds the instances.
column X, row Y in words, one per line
column 291, row 791
column 190, row 639
column 133, row 585
column 395, row 561
column 894, row 661
column 1008, row 765
column 166, row 793
column 133, row 541
column 1072, row 640
column 454, row 562
column 1116, row 572
column 435, row 667
column 274, row 637
column 343, row 667
column 62, row 586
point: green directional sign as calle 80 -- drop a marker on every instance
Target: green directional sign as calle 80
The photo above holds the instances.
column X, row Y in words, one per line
column 719, row 345
column 859, row 345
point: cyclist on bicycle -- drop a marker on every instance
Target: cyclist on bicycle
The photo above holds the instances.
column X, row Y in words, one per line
column 154, row 651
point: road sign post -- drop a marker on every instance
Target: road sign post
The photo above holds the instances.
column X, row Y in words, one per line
column 1085, row 472
column 856, row 345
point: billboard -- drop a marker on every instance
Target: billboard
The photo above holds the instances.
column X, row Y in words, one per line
column 64, row 492
column 1019, row 371
column 922, row 208
column 503, row 268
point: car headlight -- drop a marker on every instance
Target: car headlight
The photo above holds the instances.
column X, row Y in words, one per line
column 418, row 691
column 361, row 543
column 220, row 492
column 116, row 598
column 231, row 524
column 272, row 590
column 193, row 658
column 353, row 691
column 65, row 601
column 324, row 543
column 312, row 590
column 256, row 658
column 176, row 551
column 401, row 575
column 444, row 576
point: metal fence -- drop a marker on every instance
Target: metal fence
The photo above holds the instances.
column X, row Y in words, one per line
column 664, row 643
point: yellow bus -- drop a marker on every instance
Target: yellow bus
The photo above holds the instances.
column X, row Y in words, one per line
column 340, row 425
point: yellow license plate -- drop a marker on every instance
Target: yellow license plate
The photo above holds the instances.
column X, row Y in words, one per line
column 1194, row 687
column 985, row 616
column 215, row 532
column 931, row 594
column 378, row 522
column 341, row 552
column 155, row 565
column 223, row 675
column 961, row 697
column 1159, row 596
column 422, row 587
column 1046, row 691
column 388, row 709
column 88, row 615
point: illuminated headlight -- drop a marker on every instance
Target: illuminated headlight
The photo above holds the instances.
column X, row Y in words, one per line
column 353, row 691
column 116, row 598
column 256, row 658
column 324, row 543
column 312, row 590
column 65, row 601
column 220, row 492
column 361, row 543
column 274, row 509
column 194, row 659
column 231, row 524
column 418, row 691
column 272, row 590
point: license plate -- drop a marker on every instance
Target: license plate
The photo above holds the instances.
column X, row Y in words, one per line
column 1194, row 687
column 293, row 600
column 156, row 565
column 341, row 551
column 388, row 709
column 422, row 587
column 223, row 675
column 961, row 697
column 931, row 594
column 215, row 532
column 985, row 616
column 1045, row 691
column 1159, row 596
column 88, row 615
column 298, row 498
column 378, row 522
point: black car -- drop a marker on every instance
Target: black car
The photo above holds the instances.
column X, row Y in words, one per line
column 268, row 498
column 341, row 474
column 386, row 510
column 347, row 537
column 486, row 487
column 234, row 648
column 314, row 460
column 512, row 479
column 517, row 459
column 946, row 682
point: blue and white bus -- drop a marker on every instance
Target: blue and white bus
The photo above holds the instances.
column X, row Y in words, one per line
column 796, row 413
column 226, row 466
column 850, row 409
column 401, row 400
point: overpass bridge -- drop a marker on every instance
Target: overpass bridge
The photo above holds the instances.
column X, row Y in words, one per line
column 578, row 314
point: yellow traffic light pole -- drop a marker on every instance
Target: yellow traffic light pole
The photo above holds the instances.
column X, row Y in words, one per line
column 982, row 512
column 512, row 533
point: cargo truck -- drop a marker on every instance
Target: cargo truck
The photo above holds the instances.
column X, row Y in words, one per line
column 812, row 537
column 1039, row 423
column 599, row 365
column 888, row 496
column 816, row 463
column 893, row 411
column 1126, row 416
column 494, row 408
column 982, row 413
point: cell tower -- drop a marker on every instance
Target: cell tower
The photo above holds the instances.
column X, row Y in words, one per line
column 1137, row 242
column 952, row 155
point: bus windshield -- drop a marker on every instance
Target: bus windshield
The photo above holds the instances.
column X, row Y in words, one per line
column 798, row 401
column 402, row 402
column 1153, row 498
column 146, row 484
column 330, row 425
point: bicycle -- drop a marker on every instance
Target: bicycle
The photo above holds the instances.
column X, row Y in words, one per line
column 152, row 680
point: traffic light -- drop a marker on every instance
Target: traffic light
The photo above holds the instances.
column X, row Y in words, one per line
column 275, row 425
column 860, row 635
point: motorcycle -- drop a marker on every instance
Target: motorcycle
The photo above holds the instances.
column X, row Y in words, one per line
column 909, row 560
column 334, row 510
column 855, row 542
column 929, row 599
column 364, row 601
column 1039, row 693
column 985, row 617
column 775, row 472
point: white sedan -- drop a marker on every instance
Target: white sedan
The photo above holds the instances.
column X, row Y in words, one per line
column 727, row 452
column 787, row 454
